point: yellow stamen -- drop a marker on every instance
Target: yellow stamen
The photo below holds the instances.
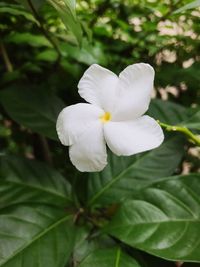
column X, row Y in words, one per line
column 105, row 117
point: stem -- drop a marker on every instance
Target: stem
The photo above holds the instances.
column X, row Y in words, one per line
column 73, row 192
column 41, row 149
column 179, row 263
column 6, row 58
column 118, row 257
column 45, row 149
column 43, row 30
column 175, row 128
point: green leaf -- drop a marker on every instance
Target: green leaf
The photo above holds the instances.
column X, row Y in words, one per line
column 171, row 113
column 112, row 257
column 38, row 4
column 49, row 55
column 123, row 175
column 163, row 219
column 23, row 180
column 167, row 112
column 32, row 233
column 35, row 236
column 84, row 245
column 88, row 54
column 35, row 109
column 193, row 4
column 16, row 10
column 193, row 122
column 67, row 12
column 71, row 4
column 27, row 38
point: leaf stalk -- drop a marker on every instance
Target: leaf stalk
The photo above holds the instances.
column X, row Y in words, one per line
column 182, row 129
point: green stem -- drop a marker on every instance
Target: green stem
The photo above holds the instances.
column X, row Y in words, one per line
column 176, row 128
column 43, row 30
column 8, row 64
column 118, row 257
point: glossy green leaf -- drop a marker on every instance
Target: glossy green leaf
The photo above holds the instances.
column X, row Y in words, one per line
column 167, row 112
column 193, row 122
column 123, row 175
column 85, row 246
column 32, row 233
column 171, row 113
column 112, row 257
column 163, row 219
column 35, row 236
column 23, row 180
column 35, row 109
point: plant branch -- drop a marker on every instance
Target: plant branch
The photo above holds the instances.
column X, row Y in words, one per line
column 43, row 30
column 8, row 64
column 41, row 149
column 176, row 128
column 179, row 263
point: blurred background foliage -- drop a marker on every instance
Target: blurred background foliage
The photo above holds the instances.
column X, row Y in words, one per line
column 47, row 45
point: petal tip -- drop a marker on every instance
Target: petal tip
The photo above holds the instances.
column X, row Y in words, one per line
column 145, row 65
column 87, row 167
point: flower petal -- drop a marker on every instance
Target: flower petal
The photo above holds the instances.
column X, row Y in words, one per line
column 88, row 154
column 131, row 137
column 74, row 120
column 134, row 91
column 98, row 87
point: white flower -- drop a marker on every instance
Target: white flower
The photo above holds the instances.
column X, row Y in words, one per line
column 113, row 117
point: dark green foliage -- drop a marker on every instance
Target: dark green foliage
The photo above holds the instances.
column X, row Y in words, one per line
column 141, row 210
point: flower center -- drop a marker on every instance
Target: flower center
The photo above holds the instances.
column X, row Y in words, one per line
column 105, row 117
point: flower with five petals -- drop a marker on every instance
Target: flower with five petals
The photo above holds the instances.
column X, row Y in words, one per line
column 112, row 116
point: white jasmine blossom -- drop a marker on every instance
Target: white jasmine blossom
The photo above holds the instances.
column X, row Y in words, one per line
column 113, row 116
